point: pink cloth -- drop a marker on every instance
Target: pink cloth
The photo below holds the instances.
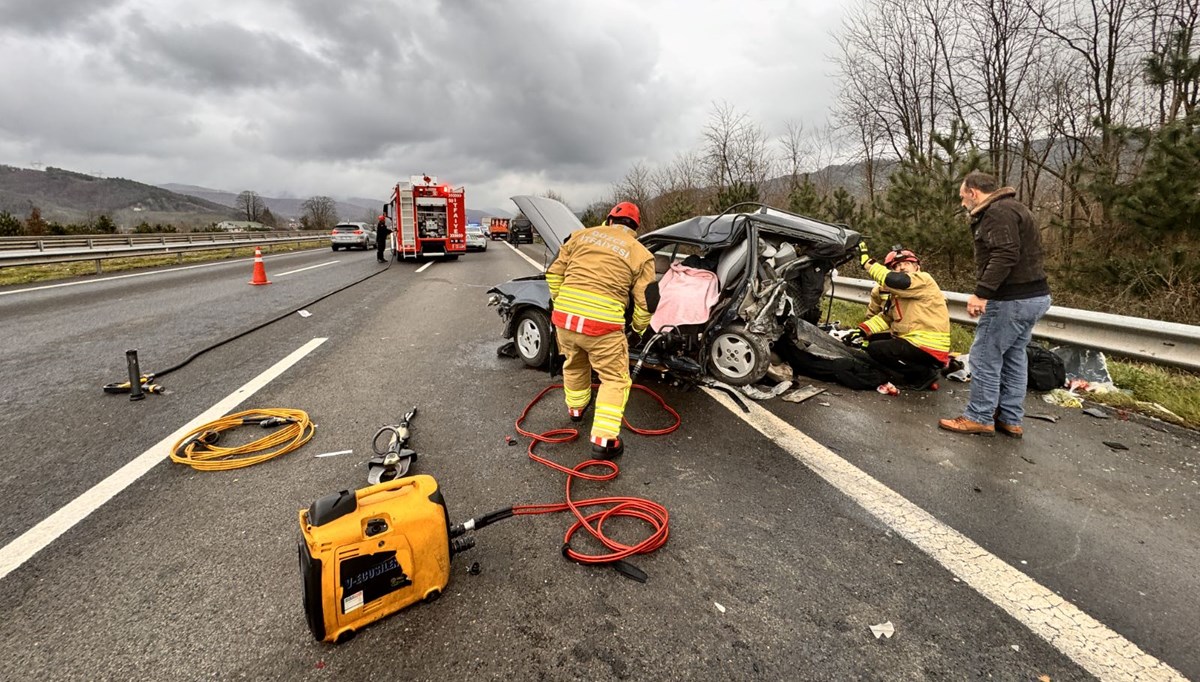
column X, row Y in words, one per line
column 685, row 297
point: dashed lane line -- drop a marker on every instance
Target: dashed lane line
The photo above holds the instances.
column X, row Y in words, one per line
column 1087, row 641
column 318, row 265
column 40, row 536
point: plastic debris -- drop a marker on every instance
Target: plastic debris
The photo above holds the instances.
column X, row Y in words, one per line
column 883, row 630
column 1016, row 647
column 304, row 313
column 1096, row 412
column 801, row 394
column 1115, row 445
column 1044, row 417
column 823, row 404
column 474, row 569
column 1084, row 363
column 1062, row 398
column 758, row 394
column 508, row 350
column 963, row 374
column 333, row 454
column 719, row 607
column 888, row 389
column 780, row 372
column 510, row 440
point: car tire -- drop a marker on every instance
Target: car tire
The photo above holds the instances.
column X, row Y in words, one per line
column 531, row 334
column 335, row 248
column 738, row 357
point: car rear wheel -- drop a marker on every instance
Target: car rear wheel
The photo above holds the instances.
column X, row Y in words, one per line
column 532, row 337
column 738, row 357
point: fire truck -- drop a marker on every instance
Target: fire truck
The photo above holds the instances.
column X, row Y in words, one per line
column 428, row 219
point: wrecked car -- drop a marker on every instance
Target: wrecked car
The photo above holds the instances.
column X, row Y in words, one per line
column 772, row 268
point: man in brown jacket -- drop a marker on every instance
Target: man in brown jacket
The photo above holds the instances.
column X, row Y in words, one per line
column 1011, row 295
column 594, row 276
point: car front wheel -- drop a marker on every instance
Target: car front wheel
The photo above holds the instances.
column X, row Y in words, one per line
column 532, row 337
column 738, row 357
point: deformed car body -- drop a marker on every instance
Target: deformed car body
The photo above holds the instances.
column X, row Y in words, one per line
column 772, row 269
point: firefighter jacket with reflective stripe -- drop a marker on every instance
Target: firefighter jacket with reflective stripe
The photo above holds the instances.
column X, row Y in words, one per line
column 916, row 313
column 597, row 271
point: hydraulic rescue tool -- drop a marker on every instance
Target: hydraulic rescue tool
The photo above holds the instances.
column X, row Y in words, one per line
column 392, row 457
column 368, row 553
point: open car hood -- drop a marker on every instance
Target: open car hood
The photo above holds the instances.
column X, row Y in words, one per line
column 552, row 220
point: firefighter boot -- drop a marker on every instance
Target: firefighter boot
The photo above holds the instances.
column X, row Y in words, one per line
column 607, row 448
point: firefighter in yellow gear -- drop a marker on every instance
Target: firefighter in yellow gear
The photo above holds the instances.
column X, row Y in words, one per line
column 597, row 272
column 908, row 324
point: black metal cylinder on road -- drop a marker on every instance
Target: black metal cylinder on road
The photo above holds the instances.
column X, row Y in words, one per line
column 135, row 375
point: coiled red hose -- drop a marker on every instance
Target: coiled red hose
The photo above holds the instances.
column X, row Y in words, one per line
column 652, row 513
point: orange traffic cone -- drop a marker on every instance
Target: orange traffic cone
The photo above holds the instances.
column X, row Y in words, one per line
column 260, row 273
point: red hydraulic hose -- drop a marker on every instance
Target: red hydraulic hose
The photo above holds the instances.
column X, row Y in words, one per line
column 654, row 514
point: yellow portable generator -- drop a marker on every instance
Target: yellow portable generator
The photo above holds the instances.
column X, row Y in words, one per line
column 368, row 553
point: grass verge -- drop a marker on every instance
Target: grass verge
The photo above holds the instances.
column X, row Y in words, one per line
column 32, row 274
column 1176, row 390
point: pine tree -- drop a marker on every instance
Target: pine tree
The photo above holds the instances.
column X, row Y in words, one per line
column 805, row 200
column 921, row 207
column 736, row 193
column 10, row 226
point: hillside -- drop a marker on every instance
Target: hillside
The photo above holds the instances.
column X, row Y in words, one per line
column 68, row 197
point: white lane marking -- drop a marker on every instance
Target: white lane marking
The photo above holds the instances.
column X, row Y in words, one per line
column 318, row 265
column 531, row 261
column 37, row 538
column 135, row 274
column 1087, row 641
column 424, row 267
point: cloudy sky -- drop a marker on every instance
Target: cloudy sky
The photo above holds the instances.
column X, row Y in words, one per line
column 305, row 97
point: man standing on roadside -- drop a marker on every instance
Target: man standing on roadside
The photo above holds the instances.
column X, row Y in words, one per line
column 1011, row 295
column 381, row 234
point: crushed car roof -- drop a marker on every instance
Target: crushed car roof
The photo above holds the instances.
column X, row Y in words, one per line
column 723, row 230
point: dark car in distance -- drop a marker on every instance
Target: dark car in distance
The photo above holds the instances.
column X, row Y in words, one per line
column 520, row 230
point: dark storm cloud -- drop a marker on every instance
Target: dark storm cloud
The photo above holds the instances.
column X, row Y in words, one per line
column 522, row 86
column 214, row 55
column 49, row 16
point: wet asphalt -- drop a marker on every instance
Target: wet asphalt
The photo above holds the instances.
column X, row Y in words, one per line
column 769, row 572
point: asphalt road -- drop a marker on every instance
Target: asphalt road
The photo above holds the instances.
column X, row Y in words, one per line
column 184, row 575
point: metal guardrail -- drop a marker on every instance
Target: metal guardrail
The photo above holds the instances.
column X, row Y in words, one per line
column 48, row 250
column 1166, row 343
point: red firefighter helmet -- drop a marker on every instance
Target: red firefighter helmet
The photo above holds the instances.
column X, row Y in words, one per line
column 899, row 254
column 626, row 209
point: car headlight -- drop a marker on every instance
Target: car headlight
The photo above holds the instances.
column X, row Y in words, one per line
column 494, row 299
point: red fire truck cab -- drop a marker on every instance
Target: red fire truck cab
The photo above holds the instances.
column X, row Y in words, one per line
column 428, row 219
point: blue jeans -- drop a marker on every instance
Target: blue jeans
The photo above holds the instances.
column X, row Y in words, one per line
column 999, row 372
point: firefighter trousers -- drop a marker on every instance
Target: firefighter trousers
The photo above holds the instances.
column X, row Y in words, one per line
column 608, row 355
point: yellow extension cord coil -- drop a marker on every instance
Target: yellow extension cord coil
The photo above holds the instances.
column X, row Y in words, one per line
column 198, row 448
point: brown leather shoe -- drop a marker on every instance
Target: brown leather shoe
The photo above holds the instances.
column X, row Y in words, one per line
column 1010, row 430
column 964, row 425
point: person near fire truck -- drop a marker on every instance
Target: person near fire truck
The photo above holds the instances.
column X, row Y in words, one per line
column 598, row 270
column 907, row 329
column 381, row 234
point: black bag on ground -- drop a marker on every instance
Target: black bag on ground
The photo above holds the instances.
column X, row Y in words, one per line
column 1046, row 370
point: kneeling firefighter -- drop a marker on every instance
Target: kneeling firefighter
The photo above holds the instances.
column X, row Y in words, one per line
column 908, row 325
column 597, row 271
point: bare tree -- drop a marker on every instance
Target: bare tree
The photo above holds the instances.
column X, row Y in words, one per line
column 735, row 148
column 638, row 186
column 320, row 213
column 251, row 205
